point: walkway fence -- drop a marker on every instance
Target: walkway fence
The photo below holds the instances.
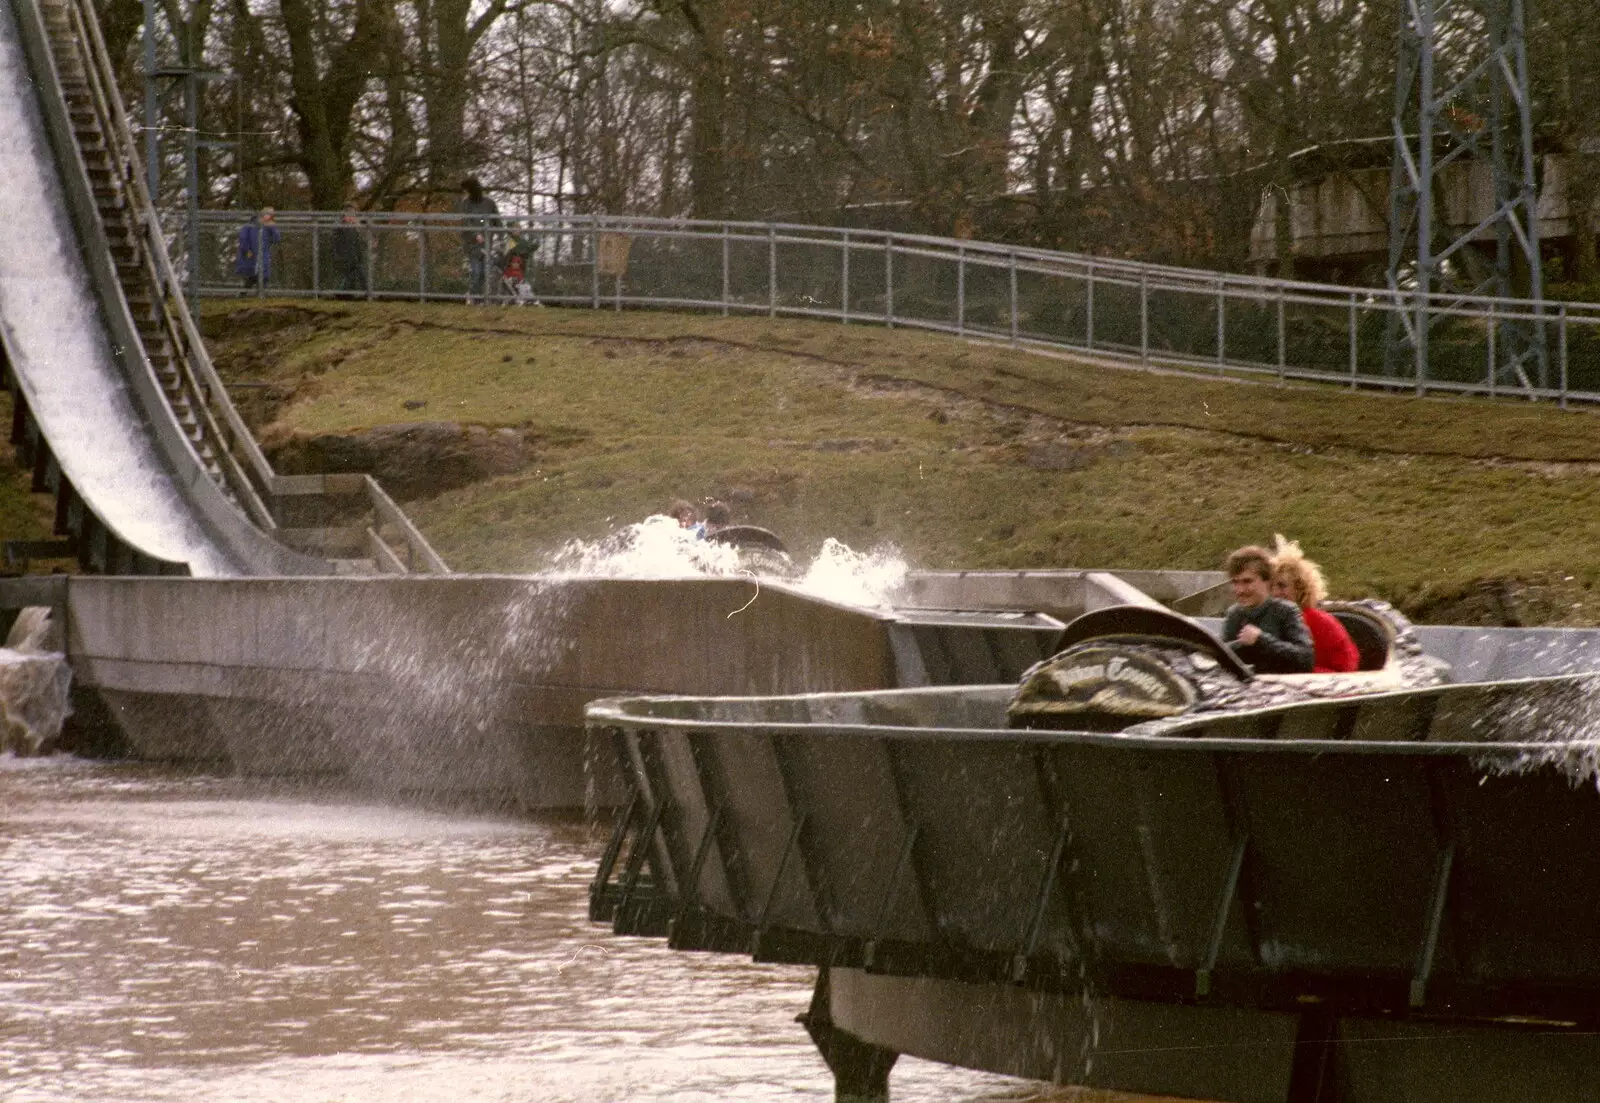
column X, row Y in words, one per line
column 1144, row 313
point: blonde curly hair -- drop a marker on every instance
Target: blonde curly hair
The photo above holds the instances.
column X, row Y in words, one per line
column 1299, row 575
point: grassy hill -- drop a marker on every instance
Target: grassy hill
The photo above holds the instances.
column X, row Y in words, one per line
column 959, row 454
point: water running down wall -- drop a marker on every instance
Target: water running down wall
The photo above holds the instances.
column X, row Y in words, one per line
column 56, row 341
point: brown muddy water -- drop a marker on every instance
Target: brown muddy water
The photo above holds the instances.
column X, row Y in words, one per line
column 168, row 936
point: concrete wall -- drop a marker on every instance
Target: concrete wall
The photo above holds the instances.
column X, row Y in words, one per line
column 458, row 682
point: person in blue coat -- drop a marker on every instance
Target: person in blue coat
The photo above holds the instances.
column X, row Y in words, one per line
column 257, row 239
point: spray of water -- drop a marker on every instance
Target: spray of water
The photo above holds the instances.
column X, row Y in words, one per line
column 657, row 548
column 437, row 694
column 1559, row 716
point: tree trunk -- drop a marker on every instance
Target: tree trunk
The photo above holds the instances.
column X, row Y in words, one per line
column 323, row 105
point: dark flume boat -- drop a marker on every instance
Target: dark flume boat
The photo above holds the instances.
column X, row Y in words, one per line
column 1143, row 869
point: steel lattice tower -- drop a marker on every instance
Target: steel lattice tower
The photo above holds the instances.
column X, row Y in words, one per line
column 1461, row 95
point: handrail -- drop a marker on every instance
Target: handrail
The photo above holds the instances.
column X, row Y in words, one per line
column 1044, row 261
column 193, row 356
column 1129, row 311
column 386, row 512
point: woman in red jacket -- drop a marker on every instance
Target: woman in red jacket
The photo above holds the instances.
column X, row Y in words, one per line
column 1299, row 580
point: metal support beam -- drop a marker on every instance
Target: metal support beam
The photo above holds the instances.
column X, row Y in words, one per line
column 1219, row 924
column 1430, row 941
column 860, row 1069
column 1461, row 99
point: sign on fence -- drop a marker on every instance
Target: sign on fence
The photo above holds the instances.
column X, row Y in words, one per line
column 613, row 259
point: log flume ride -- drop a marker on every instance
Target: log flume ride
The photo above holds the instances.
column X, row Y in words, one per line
column 1144, row 869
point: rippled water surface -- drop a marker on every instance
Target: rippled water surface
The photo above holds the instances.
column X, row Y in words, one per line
column 172, row 937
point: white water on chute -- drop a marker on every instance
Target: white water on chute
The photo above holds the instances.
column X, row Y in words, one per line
column 59, row 347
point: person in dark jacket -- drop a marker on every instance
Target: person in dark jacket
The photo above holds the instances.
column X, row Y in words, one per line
column 1265, row 631
column 350, row 254
column 257, row 239
column 475, row 233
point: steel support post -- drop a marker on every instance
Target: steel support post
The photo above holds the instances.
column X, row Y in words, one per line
column 1462, row 100
column 594, row 257
column 860, row 1069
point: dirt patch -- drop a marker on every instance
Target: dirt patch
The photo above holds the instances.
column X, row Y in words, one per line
column 419, row 460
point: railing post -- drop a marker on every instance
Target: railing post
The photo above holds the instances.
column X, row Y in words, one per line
column 772, row 271
column 844, row 279
column 1015, row 323
column 1088, row 310
column 594, row 257
column 961, row 289
column 422, row 260
column 888, row 280
column 1222, row 328
column 726, row 285
column 1355, row 360
column 368, row 254
column 1490, row 350
column 316, row 262
column 1144, row 318
column 1563, row 355
column 1424, row 319
column 1283, row 339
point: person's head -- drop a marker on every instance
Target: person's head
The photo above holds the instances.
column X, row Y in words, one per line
column 1294, row 577
column 268, row 216
column 682, row 512
column 718, row 515
column 473, row 187
column 349, row 212
column 1250, row 573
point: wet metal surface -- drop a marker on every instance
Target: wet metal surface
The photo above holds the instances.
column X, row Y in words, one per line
column 181, row 937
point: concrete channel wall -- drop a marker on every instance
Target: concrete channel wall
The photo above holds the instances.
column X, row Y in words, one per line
column 474, row 684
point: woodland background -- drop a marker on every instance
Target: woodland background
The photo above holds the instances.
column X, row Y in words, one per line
column 1140, row 128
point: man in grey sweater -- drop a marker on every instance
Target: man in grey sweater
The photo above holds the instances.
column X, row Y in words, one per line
column 1265, row 631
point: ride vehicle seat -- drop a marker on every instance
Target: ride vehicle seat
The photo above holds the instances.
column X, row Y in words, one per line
column 1373, row 638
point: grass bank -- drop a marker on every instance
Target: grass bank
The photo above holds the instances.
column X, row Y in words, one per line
column 959, row 454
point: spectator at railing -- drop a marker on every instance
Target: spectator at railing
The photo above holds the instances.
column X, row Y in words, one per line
column 475, row 234
column 257, row 239
column 350, row 254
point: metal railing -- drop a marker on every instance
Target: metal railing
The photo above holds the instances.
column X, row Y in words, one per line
column 1149, row 314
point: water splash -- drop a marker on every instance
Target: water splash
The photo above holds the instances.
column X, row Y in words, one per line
column 1555, row 721
column 657, row 548
column 870, row 579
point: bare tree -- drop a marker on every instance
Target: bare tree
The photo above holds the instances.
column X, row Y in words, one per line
column 331, row 61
